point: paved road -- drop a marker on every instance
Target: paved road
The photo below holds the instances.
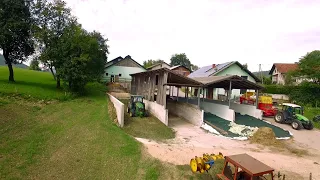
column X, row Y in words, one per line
column 309, row 138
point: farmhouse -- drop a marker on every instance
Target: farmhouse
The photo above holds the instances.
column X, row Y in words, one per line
column 180, row 69
column 159, row 66
column 224, row 69
column 279, row 71
column 119, row 70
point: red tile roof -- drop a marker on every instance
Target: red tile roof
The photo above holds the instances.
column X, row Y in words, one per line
column 284, row 68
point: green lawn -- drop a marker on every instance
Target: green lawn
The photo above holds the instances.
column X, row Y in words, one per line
column 30, row 83
column 310, row 113
column 146, row 127
column 46, row 133
column 73, row 139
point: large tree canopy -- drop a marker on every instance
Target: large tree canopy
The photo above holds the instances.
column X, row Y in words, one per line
column 180, row 59
column 51, row 19
column 15, row 32
column 309, row 66
column 84, row 56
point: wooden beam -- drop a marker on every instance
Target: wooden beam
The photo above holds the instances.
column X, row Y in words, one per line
column 177, row 84
column 164, row 95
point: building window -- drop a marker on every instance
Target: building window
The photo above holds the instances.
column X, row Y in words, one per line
column 119, row 75
column 107, row 74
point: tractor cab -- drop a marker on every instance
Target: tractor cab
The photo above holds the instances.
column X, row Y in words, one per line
column 136, row 106
column 293, row 114
column 292, row 108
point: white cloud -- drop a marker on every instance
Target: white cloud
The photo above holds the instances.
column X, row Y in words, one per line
column 207, row 31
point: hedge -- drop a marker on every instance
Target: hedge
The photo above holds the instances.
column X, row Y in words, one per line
column 305, row 93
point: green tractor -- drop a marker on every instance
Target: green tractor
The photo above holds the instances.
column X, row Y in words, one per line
column 136, row 107
column 293, row 114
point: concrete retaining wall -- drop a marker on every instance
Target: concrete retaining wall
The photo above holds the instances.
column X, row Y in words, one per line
column 247, row 109
column 119, row 106
column 187, row 111
column 157, row 110
column 220, row 110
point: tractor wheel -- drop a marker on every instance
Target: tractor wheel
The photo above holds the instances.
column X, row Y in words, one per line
column 309, row 126
column 296, row 124
column 279, row 118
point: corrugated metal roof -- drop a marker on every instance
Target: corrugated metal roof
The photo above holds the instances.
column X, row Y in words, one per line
column 206, row 71
column 223, row 82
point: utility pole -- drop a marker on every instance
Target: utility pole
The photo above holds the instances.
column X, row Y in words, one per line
column 260, row 72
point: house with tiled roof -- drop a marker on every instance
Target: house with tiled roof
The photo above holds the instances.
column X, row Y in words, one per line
column 159, row 66
column 279, row 71
column 180, row 69
column 224, row 69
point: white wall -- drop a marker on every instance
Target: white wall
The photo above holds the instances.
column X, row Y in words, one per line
column 157, row 110
column 247, row 109
column 119, row 106
column 187, row 111
column 218, row 109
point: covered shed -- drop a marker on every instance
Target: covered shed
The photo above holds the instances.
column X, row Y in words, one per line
column 153, row 85
column 228, row 83
column 156, row 85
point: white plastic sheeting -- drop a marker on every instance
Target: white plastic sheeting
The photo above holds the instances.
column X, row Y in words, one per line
column 209, row 128
column 242, row 130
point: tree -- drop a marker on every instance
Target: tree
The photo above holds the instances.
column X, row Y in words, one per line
column 194, row 67
column 267, row 80
column 309, row 66
column 84, row 56
column 15, row 32
column 51, row 19
column 245, row 65
column 34, row 65
column 151, row 62
column 180, row 59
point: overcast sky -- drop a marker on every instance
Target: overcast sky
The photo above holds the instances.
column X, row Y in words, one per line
column 208, row 31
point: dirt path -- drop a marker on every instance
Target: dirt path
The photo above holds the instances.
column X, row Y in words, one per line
column 192, row 141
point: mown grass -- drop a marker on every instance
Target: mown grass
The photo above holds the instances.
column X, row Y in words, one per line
column 42, row 137
column 31, row 84
column 310, row 113
column 146, row 127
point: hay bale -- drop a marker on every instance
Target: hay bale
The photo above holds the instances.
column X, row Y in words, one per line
column 264, row 136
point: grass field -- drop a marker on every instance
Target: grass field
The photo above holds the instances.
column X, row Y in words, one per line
column 155, row 130
column 35, row 84
column 46, row 133
column 310, row 113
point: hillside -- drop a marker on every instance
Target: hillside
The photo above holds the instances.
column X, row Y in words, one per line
column 264, row 73
column 3, row 63
column 47, row 133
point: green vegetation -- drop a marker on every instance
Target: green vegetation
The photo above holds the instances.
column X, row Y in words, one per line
column 310, row 113
column 62, row 139
column 136, row 126
column 44, row 137
column 31, row 84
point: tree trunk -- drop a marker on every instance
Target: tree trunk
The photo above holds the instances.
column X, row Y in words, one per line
column 11, row 78
column 58, row 82
column 54, row 76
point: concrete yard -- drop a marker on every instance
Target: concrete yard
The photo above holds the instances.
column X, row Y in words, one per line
column 192, row 141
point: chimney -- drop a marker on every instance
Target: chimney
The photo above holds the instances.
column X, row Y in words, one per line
column 213, row 65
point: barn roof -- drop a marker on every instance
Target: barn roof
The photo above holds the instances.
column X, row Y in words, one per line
column 237, row 82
